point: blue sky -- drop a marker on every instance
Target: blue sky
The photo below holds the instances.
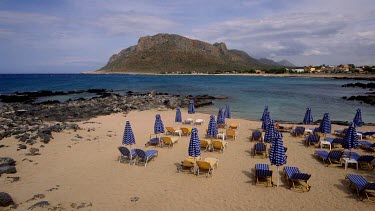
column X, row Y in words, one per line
column 68, row 36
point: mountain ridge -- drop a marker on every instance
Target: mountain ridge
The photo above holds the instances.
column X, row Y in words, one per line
column 167, row 53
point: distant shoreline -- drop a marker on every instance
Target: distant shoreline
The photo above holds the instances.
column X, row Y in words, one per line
column 304, row 75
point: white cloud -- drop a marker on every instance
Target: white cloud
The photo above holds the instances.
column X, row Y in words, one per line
column 120, row 24
column 11, row 17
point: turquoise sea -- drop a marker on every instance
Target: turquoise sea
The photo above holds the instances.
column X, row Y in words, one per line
column 287, row 97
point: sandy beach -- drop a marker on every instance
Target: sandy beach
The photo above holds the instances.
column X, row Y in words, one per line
column 82, row 168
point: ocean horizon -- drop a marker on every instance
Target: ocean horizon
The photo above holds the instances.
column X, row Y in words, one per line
column 286, row 97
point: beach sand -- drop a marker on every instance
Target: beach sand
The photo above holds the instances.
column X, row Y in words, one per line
column 86, row 170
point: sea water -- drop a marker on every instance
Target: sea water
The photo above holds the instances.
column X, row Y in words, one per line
column 286, row 97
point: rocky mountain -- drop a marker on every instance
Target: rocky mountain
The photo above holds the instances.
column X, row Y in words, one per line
column 286, row 63
column 174, row 53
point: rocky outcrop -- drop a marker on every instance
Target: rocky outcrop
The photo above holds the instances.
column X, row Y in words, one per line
column 175, row 53
column 26, row 121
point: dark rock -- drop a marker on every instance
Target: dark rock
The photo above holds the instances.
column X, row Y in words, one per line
column 7, row 161
column 33, row 151
column 366, row 99
column 39, row 204
column 360, row 85
column 22, row 146
column 7, row 170
column 24, row 137
column 5, row 199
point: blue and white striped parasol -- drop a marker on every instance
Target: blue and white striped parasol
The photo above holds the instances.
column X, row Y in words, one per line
column 191, row 107
column 178, row 115
column 358, row 119
column 227, row 112
column 264, row 113
column 270, row 131
column 266, row 120
column 325, row 125
column 350, row 140
column 128, row 138
column 212, row 128
column 158, row 126
column 308, row 119
column 220, row 116
column 194, row 144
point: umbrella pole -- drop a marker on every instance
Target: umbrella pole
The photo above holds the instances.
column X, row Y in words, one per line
column 131, row 157
column 350, row 153
column 278, row 176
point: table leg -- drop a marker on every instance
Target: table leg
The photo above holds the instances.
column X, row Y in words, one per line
column 346, row 165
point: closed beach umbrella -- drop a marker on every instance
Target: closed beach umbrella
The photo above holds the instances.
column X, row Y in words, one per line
column 265, row 113
column 194, row 144
column 128, row 138
column 212, row 127
column 270, row 131
column 191, row 107
column 158, row 126
column 358, row 119
column 351, row 139
column 227, row 112
column 277, row 154
column 220, row 116
column 265, row 120
column 178, row 115
column 308, row 119
column 325, row 125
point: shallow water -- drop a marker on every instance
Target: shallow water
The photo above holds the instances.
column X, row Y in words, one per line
column 287, row 97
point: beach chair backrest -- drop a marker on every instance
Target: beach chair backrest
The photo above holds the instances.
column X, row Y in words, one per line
column 124, row 151
column 170, row 129
column 314, row 138
column 217, row 144
column 290, row 170
column 187, row 163
column 233, row 126
column 335, row 154
column 185, row 130
column 300, row 176
column 299, row 130
column 140, row 153
column 260, row 147
column 263, row 170
column 204, row 143
column 204, row 165
column 263, row 173
column 365, row 158
column 257, row 134
column 352, row 155
column 230, row 132
column 369, row 186
column 167, row 140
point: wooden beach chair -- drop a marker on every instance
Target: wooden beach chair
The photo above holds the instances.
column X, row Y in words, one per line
column 263, row 175
column 126, row 154
column 256, row 136
column 188, row 165
column 169, row 141
column 145, row 156
column 296, row 179
column 219, row 145
column 362, row 186
column 207, row 165
column 260, row 149
column 332, row 157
